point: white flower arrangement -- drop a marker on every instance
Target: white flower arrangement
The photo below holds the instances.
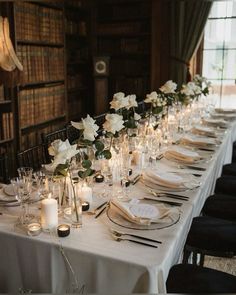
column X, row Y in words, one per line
column 114, row 123
column 119, row 101
column 88, row 126
column 191, row 89
column 62, row 151
column 169, row 87
column 203, row 83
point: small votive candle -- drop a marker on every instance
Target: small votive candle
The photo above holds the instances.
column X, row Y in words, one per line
column 99, row 178
column 63, row 230
column 130, row 171
column 85, row 206
column 34, row 229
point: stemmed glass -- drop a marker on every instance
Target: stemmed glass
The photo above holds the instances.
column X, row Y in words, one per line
column 21, row 189
column 25, row 176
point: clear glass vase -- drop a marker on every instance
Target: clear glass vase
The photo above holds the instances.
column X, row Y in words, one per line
column 76, row 213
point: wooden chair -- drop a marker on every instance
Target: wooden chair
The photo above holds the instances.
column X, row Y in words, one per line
column 4, row 173
column 72, row 133
column 210, row 236
column 50, row 137
column 189, row 278
column 33, row 157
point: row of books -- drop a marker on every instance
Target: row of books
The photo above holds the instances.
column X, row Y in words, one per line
column 75, row 107
column 75, row 81
column 124, row 11
column 76, row 28
column 139, row 86
column 74, row 3
column 41, row 104
column 33, row 138
column 6, row 126
column 38, row 23
column 41, row 63
column 123, row 45
column 124, row 28
column 77, row 55
column 129, row 67
column 2, row 93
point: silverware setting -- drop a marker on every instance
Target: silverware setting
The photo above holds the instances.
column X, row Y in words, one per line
column 166, row 194
column 120, row 234
column 171, row 203
column 106, row 205
column 119, row 239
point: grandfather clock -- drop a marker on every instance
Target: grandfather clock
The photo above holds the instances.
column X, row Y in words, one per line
column 101, row 73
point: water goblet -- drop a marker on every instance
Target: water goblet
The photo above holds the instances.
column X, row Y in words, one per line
column 21, row 189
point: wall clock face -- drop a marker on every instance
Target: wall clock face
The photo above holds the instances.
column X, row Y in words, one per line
column 100, row 67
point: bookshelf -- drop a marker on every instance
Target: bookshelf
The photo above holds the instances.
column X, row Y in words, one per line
column 124, row 34
column 78, row 56
column 40, row 45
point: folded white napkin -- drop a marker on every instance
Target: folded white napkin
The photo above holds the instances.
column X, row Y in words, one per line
column 224, row 116
column 142, row 214
column 165, row 179
column 225, row 111
column 215, row 122
column 198, row 141
column 203, row 130
column 183, row 155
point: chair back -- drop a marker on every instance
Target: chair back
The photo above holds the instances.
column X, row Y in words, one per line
column 50, row 137
column 72, row 133
column 4, row 172
column 33, row 157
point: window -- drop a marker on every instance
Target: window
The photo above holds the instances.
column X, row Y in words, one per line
column 219, row 53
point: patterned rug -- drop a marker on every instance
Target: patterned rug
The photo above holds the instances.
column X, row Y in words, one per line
column 224, row 264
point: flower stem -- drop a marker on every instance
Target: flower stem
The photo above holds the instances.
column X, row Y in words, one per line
column 74, row 196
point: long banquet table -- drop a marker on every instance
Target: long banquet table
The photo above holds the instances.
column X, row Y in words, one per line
column 101, row 264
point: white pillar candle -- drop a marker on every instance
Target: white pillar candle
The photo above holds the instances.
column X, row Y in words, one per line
column 86, row 194
column 49, row 217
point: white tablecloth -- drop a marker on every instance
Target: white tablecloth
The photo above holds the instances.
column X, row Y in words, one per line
column 101, row 264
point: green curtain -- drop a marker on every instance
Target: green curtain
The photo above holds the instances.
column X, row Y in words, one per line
column 188, row 19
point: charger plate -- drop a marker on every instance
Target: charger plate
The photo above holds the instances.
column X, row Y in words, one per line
column 118, row 219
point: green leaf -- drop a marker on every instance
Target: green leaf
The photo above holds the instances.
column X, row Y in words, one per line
column 86, row 164
column 81, row 174
column 107, row 154
column 61, row 169
column 99, row 145
column 97, row 154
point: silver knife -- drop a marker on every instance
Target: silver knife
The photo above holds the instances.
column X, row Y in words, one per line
column 164, row 202
column 194, row 167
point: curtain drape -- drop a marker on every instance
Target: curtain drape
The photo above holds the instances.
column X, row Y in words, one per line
column 188, row 19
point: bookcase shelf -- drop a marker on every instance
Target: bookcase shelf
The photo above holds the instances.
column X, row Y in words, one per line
column 39, row 43
column 124, row 34
column 5, row 141
column 42, row 124
column 78, row 61
column 41, row 83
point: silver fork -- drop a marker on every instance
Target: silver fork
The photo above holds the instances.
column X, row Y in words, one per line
column 119, row 239
column 120, row 234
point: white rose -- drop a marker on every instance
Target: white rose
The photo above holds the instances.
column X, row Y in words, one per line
column 114, row 123
column 168, row 87
column 132, row 101
column 119, row 101
column 187, row 90
column 137, row 117
column 151, row 98
column 88, row 126
column 63, row 152
column 58, row 146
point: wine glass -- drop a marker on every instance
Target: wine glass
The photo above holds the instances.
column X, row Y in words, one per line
column 21, row 189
